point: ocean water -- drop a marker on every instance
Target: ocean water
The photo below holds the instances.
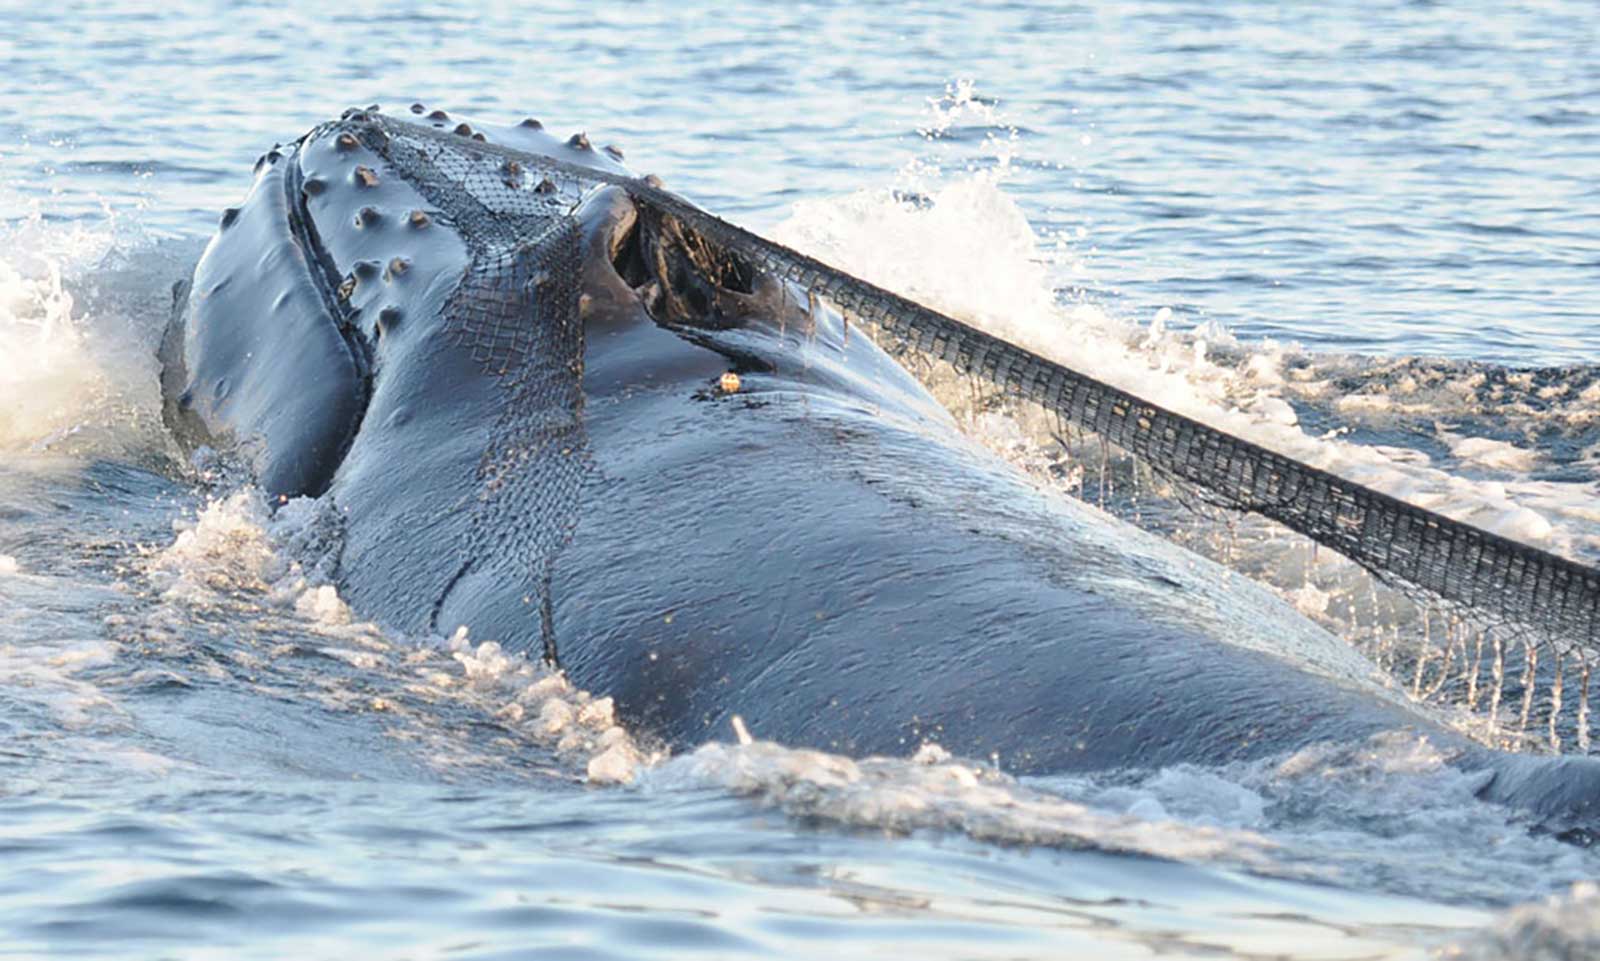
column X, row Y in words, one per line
column 1367, row 234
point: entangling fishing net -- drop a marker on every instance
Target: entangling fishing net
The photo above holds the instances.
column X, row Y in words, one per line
column 516, row 311
column 512, row 209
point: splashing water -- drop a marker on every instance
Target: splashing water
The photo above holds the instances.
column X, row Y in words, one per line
column 962, row 245
column 80, row 311
column 48, row 370
column 237, row 556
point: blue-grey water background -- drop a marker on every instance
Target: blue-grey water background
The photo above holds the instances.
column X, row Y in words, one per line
column 189, row 768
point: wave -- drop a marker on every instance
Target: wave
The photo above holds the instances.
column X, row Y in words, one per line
column 81, row 310
column 1516, row 452
column 1367, row 816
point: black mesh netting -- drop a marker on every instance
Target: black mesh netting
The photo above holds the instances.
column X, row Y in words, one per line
column 516, row 312
column 510, row 206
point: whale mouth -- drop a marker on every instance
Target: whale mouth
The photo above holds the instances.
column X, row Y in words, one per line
column 683, row 279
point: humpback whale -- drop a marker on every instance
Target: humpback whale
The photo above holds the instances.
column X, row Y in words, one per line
column 551, row 405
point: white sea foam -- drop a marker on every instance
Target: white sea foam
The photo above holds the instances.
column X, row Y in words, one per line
column 1563, row 927
column 77, row 333
column 931, row 791
column 1373, row 814
column 226, row 547
column 1488, row 452
column 546, row 707
column 236, row 550
column 44, row 672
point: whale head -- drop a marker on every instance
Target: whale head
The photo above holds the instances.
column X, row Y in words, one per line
column 374, row 244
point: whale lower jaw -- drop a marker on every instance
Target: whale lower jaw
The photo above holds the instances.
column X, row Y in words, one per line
column 261, row 295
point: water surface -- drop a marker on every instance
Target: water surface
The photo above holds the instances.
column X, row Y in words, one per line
column 202, row 751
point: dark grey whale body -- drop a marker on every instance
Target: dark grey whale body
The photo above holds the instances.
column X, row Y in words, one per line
column 506, row 379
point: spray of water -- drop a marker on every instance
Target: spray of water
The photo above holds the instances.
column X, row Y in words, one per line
column 955, row 240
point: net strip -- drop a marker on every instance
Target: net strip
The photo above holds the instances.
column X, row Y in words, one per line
column 516, row 313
